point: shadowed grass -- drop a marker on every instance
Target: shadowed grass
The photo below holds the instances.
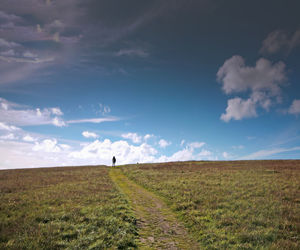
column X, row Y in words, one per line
column 63, row 208
column 239, row 205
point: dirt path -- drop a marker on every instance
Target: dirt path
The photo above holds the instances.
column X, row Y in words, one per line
column 158, row 227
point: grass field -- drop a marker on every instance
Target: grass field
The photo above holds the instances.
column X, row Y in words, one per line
column 223, row 205
column 242, row 205
column 59, row 208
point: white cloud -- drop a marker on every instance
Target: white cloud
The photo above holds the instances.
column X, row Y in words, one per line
column 103, row 151
column 194, row 145
column 182, row 143
column 163, row 143
column 15, row 114
column 47, row 145
column 56, row 111
column 58, row 122
column 279, row 40
column 88, row 134
column 104, row 109
column 20, row 154
column 4, row 104
column 65, row 147
column 4, row 126
column 266, row 153
column 95, row 120
column 9, row 136
column 148, row 136
column 237, row 77
column 295, row 108
column 29, row 138
column 49, row 152
column 12, row 113
column 264, row 82
column 132, row 52
column 204, row 152
column 181, row 155
column 187, row 154
column 225, row 155
column 132, row 136
column 238, row 109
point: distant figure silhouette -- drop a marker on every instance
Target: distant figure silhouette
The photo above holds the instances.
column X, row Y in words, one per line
column 114, row 161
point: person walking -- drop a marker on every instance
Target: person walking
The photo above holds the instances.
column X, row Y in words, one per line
column 114, row 161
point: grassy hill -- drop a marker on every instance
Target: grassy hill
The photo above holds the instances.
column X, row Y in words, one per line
column 241, row 205
column 57, row 208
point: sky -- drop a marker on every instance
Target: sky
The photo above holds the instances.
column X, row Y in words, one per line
column 82, row 81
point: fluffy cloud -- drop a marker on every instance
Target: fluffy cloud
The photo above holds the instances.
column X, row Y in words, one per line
column 48, row 145
column 264, row 76
column 163, row 143
column 58, row 122
column 132, row 136
column 37, row 152
column 187, row 154
column 148, row 136
column 225, row 155
column 263, row 81
column 4, row 126
column 279, row 40
column 56, row 111
column 238, row 109
column 103, row 151
column 295, row 108
column 28, row 138
column 21, row 154
column 194, row 145
column 9, row 136
column 88, row 134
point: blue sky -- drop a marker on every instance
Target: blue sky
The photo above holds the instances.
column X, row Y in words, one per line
column 155, row 81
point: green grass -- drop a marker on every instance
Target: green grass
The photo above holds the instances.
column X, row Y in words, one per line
column 236, row 205
column 64, row 208
column 224, row 205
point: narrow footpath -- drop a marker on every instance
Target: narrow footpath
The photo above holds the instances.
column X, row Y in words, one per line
column 157, row 224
